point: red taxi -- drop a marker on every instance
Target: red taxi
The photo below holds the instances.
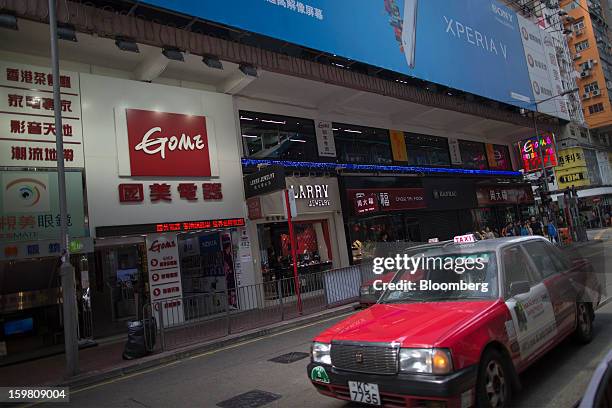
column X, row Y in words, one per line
column 452, row 344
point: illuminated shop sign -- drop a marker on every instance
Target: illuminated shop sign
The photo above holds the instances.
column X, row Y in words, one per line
column 530, row 152
column 167, row 144
column 182, row 226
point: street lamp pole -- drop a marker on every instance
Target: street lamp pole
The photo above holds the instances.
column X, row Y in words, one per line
column 66, row 269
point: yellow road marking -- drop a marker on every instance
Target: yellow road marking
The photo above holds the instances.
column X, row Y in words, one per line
column 207, row 353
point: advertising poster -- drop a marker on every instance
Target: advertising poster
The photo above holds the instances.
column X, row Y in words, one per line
column 165, row 277
column 471, row 45
column 29, row 206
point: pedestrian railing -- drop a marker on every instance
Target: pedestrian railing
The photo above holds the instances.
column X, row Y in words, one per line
column 207, row 316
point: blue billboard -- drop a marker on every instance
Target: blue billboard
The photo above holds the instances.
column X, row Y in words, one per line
column 471, row 45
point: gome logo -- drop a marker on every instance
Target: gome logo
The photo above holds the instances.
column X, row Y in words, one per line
column 506, row 15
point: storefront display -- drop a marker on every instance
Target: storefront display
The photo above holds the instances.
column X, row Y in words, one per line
column 500, row 204
column 317, row 227
column 168, row 212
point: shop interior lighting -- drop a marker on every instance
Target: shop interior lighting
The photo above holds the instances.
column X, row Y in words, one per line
column 8, row 21
column 245, row 118
column 66, row 32
column 248, row 69
column 275, row 121
column 212, row 62
column 173, row 54
column 125, row 44
column 352, row 131
column 297, row 140
column 250, row 136
column 374, row 168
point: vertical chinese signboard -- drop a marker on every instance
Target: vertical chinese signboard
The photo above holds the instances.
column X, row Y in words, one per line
column 27, row 136
column 530, row 152
column 165, row 277
column 572, row 169
column 325, row 138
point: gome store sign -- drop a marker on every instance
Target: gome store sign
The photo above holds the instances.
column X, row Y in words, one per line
column 167, row 144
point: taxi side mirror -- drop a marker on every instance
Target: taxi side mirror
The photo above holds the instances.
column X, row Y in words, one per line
column 516, row 288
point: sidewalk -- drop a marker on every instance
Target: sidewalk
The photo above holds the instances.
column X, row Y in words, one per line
column 105, row 361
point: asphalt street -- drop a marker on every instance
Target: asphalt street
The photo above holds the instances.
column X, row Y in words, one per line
column 205, row 380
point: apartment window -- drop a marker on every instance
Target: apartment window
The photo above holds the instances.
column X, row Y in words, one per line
column 360, row 144
column 579, row 25
column 593, row 86
column 584, row 133
column 267, row 136
column 582, row 45
column 598, row 107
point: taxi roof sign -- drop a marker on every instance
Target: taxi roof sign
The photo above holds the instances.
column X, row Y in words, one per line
column 462, row 239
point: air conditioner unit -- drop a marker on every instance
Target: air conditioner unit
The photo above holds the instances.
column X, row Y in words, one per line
column 577, row 56
column 594, row 62
column 578, row 32
column 586, row 95
column 596, row 92
column 585, row 74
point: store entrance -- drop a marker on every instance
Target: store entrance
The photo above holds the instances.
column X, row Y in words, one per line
column 369, row 234
column 208, row 275
column 313, row 249
column 117, row 294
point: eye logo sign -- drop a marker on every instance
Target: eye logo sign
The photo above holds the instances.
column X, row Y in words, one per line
column 29, row 194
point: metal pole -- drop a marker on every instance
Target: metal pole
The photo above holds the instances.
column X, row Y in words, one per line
column 66, row 269
column 296, row 278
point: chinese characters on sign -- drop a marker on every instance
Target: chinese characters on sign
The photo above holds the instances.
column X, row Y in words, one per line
column 325, row 138
column 27, row 126
column 365, row 203
column 572, row 170
column 199, row 225
column 501, row 195
column 165, row 275
column 162, row 192
column 390, row 199
column 530, row 152
column 299, row 7
column 29, row 206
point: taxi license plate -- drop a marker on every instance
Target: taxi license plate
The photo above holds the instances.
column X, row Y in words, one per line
column 364, row 392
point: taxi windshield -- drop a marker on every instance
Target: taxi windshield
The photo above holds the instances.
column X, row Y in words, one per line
column 445, row 274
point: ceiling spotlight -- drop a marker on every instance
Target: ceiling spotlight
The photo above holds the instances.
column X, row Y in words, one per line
column 173, row 54
column 66, row 32
column 8, row 21
column 125, row 44
column 248, row 69
column 212, row 62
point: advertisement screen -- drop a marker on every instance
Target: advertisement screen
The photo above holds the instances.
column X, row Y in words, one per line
column 471, row 45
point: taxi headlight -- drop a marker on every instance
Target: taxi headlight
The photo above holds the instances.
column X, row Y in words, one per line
column 321, row 353
column 428, row 361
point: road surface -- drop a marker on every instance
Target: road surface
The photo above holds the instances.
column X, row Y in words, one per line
column 205, row 380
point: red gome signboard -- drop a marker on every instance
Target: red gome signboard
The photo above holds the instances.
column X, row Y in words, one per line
column 167, row 144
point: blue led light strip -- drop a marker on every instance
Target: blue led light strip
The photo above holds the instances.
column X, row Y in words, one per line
column 373, row 167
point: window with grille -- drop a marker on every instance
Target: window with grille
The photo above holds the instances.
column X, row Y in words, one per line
column 582, row 45
column 598, row 107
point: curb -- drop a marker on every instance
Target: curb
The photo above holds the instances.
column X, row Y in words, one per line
column 91, row 378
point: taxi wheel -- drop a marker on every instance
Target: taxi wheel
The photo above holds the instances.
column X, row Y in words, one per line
column 584, row 323
column 494, row 382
